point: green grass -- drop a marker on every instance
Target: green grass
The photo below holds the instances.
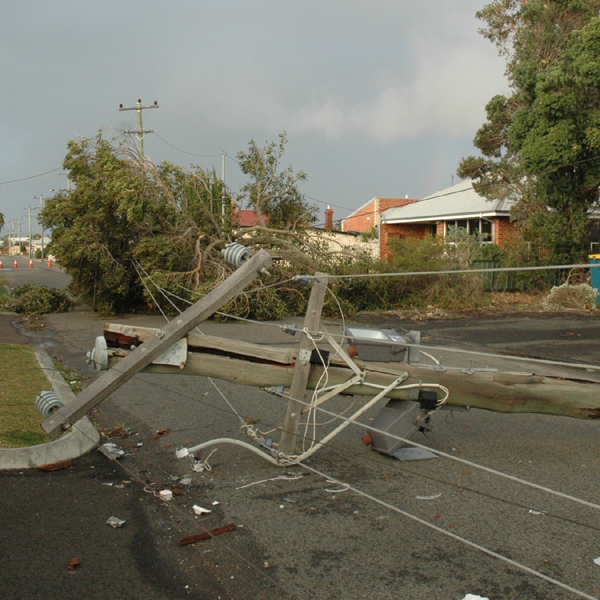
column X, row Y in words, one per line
column 22, row 380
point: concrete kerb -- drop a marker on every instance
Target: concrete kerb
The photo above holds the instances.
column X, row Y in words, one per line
column 82, row 439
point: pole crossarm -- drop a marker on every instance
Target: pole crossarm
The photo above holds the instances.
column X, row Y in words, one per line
column 144, row 354
column 312, row 322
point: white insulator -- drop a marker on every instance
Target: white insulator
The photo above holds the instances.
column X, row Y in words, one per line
column 47, row 402
column 236, row 254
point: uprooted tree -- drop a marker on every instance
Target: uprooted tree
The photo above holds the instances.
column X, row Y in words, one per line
column 541, row 145
column 130, row 227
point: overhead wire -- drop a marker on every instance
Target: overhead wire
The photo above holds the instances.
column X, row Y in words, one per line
column 475, row 466
column 438, row 529
column 458, row 538
column 187, row 517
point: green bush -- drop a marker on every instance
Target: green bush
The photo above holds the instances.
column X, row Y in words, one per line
column 37, row 300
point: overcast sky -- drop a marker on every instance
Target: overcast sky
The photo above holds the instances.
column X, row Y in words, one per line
column 378, row 98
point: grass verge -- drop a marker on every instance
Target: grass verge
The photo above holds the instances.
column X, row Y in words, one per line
column 23, row 380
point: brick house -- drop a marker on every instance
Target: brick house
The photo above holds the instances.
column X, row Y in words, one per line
column 458, row 206
column 367, row 216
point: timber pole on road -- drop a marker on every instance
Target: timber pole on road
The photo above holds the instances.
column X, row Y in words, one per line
column 114, row 378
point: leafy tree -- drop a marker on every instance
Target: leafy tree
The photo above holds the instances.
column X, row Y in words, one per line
column 126, row 216
column 541, row 145
column 1, row 221
column 129, row 224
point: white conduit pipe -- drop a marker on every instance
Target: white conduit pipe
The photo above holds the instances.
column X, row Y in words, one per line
column 357, row 414
column 236, row 443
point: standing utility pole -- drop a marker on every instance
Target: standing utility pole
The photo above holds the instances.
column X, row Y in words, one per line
column 20, row 238
column 140, row 129
column 41, row 209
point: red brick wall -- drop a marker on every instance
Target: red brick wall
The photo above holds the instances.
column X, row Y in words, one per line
column 404, row 230
column 363, row 220
column 368, row 216
column 504, row 231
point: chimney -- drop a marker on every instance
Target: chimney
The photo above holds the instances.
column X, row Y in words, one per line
column 329, row 218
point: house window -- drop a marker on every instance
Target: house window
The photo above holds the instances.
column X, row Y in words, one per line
column 473, row 226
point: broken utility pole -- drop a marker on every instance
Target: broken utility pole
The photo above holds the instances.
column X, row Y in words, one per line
column 162, row 340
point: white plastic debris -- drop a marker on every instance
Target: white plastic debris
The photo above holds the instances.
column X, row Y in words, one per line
column 182, row 452
column 535, row 512
column 597, row 561
column 433, row 497
column 475, row 597
column 166, row 495
column 110, row 450
column 115, row 522
column 199, row 510
column 215, row 503
column 186, row 481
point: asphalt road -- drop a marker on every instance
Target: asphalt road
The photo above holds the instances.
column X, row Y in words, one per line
column 297, row 535
column 39, row 274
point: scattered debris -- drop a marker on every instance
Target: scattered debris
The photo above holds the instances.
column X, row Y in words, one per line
column 199, row 510
column 271, row 479
column 115, row 522
column 160, row 433
column 120, row 431
column 433, row 497
column 182, row 452
column 216, row 503
column 414, row 454
column 475, row 597
column 74, row 563
column 536, row 512
column 289, row 500
column 186, row 481
column 207, row 535
column 166, row 495
column 111, row 451
column 201, row 464
column 66, row 464
column 266, row 565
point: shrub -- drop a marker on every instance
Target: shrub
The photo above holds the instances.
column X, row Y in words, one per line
column 564, row 297
column 37, row 300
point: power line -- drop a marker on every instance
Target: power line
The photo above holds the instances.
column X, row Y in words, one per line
column 31, row 177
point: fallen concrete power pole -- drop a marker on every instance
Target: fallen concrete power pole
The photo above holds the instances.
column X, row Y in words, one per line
column 264, row 366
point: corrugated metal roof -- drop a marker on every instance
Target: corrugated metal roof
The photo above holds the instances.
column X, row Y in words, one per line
column 458, row 201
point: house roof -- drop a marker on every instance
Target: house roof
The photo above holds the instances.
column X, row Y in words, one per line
column 460, row 201
column 246, row 218
column 361, row 208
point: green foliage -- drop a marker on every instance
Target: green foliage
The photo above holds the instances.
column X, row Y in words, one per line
column 540, row 145
column 367, row 236
column 37, row 300
column 271, row 192
column 125, row 211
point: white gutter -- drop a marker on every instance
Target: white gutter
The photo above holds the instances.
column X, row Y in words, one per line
column 447, row 218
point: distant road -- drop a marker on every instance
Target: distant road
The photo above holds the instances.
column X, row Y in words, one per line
column 39, row 274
